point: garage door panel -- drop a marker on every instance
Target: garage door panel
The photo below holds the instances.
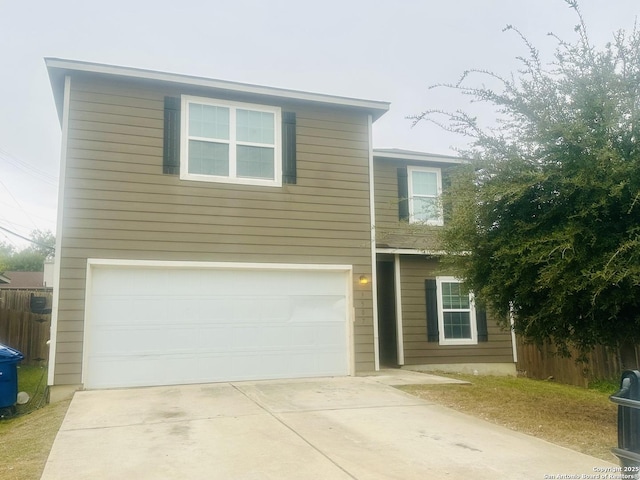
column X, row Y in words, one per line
column 108, row 310
column 142, row 282
column 159, row 370
column 147, row 326
column 180, row 369
column 115, row 341
column 326, row 308
column 260, row 282
column 231, row 310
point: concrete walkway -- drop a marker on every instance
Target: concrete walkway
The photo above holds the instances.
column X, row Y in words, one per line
column 335, row 428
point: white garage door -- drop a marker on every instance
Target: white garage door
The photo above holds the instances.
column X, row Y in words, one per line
column 174, row 325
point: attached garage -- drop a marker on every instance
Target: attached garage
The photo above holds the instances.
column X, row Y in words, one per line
column 163, row 323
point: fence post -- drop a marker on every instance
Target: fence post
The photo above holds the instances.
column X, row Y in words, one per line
column 628, row 401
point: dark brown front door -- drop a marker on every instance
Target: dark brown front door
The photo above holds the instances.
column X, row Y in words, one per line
column 387, row 338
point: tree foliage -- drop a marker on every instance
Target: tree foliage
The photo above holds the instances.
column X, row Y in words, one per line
column 545, row 219
column 30, row 259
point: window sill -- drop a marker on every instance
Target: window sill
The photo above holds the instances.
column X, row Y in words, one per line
column 459, row 342
column 231, row 181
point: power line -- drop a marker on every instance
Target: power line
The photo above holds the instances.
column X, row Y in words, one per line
column 19, row 205
column 28, row 168
column 28, row 239
column 11, row 241
column 11, row 224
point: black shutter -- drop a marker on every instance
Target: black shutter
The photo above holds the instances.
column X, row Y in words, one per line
column 444, row 200
column 171, row 146
column 481, row 321
column 289, row 174
column 432, row 310
column 403, row 194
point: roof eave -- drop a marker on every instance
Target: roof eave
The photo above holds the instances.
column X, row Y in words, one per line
column 58, row 68
column 400, row 155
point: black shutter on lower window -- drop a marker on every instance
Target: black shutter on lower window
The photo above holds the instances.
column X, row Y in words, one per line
column 432, row 310
column 403, row 194
column 289, row 173
column 171, row 145
column 481, row 322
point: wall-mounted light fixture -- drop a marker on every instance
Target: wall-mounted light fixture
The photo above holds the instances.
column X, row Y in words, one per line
column 363, row 280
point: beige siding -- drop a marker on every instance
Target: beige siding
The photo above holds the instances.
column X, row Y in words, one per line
column 415, row 269
column 118, row 203
column 390, row 231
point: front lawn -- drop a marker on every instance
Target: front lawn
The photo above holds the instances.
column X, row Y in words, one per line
column 27, row 438
column 577, row 418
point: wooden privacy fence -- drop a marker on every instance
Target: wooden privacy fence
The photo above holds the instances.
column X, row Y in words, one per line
column 20, row 329
column 543, row 362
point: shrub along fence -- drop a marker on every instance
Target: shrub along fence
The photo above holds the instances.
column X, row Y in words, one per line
column 20, row 328
column 543, row 362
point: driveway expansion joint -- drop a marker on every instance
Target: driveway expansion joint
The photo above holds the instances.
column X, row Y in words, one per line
column 296, row 433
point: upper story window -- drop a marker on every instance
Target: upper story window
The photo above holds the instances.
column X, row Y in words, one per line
column 230, row 142
column 424, row 189
column 456, row 313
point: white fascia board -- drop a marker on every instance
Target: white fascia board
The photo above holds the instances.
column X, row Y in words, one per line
column 411, row 251
column 66, row 99
column 416, row 251
column 378, row 108
column 418, row 157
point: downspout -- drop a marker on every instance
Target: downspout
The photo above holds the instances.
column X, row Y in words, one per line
column 374, row 275
column 56, row 265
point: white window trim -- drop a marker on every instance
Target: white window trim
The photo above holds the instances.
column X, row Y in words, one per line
column 412, row 218
column 472, row 316
column 232, row 178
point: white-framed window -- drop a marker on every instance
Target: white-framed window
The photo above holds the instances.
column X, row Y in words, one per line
column 456, row 313
column 230, row 142
column 425, row 188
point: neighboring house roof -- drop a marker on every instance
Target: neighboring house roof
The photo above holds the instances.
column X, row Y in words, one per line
column 24, row 280
column 58, row 68
column 400, row 154
column 4, row 279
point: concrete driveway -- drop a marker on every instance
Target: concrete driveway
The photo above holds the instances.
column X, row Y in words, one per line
column 335, row 428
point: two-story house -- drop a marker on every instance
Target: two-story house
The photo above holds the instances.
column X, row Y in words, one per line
column 217, row 231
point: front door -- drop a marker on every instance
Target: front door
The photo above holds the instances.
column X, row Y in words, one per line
column 387, row 336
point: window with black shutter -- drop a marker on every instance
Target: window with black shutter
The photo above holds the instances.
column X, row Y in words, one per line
column 452, row 316
column 228, row 142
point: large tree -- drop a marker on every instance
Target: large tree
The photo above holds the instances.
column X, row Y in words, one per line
column 544, row 221
column 29, row 259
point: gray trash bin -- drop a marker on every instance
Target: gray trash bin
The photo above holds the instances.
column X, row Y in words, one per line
column 628, row 401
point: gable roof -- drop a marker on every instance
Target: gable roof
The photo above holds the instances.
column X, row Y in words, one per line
column 59, row 67
column 24, row 280
column 400, row 154
column 4, row 279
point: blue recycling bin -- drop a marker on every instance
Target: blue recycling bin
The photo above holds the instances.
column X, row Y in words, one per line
column 9, row 359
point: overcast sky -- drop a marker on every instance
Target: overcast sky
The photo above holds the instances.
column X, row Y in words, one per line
column 389, row 50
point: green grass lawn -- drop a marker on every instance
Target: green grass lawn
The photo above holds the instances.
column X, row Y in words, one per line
column 32, row 380
column 27, row 437
column 577, row 418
